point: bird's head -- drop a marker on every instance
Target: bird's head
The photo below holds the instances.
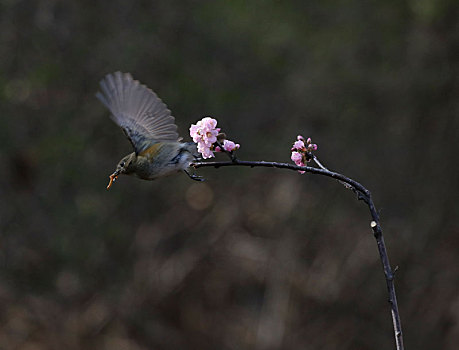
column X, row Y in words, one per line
column 125, row 166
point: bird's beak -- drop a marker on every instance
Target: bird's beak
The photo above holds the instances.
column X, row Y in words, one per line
column 113, row 178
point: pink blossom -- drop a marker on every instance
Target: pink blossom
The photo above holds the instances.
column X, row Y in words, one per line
column 298, row 145
column 204, row 133
column 310, row 146
column 297, row 157
column 205, row 151
column 210, row 138
column 207, row 124
column 193, row 130
column 205, row 128
column 230, row 146
column 194, row 133
column 301, row 151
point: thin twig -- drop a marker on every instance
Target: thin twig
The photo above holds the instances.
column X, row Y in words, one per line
column 321, row 166
column 363, row 194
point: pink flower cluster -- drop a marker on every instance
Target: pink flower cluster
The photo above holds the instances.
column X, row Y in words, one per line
column 228, row 146
column 205, row 133
column 301, row 151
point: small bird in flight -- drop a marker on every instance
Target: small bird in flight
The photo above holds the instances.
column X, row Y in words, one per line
column 149, row 126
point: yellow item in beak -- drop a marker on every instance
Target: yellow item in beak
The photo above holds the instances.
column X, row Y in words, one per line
column 113, row 178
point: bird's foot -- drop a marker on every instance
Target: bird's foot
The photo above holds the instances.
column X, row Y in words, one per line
column 194, row 176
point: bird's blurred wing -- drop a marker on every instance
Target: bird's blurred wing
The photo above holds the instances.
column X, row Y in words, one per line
column 144, row 118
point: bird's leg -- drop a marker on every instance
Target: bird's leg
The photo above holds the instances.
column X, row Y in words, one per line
column 194, row 176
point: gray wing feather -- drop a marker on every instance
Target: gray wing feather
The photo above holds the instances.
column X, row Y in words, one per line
column 144, row 118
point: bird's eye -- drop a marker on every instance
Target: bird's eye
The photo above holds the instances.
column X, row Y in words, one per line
column 122, row 164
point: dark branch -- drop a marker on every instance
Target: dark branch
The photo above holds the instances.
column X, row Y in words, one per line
column 362, row 194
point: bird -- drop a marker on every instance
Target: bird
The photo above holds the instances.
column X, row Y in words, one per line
column 149, row 126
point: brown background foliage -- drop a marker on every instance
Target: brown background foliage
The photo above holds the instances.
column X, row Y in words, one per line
column 253, row 258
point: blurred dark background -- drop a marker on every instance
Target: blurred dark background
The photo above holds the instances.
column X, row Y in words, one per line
column 252, row 258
